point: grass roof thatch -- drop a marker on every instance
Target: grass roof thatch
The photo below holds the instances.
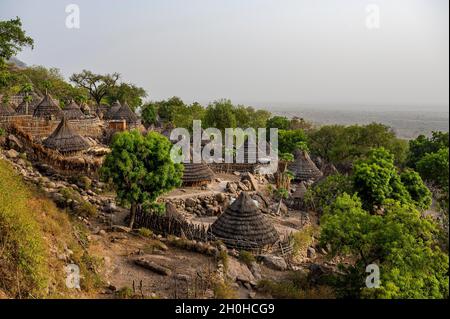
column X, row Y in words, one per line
column 300, row 191
column 303, row 167
column 48, row 108
column 195, row 173
column 65, row 140
column 72, row 111
column 125, row 113
column 25, row 108
column 243, row 226
column 112, row 110
column 6, row 110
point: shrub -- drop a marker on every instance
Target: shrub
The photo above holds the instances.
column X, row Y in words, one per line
column 303, row 239
column 246, row 257
column 145, row 232
column 223, row 290
column 125, row 293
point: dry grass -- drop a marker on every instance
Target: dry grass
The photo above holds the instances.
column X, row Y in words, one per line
column 295, row 286
column 33, row 231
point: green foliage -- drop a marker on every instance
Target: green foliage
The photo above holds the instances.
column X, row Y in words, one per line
column 376, row 179
column 22, row 258
column 279, row 122
column 327, row 190
column 185, row 114
column 149, row 114
column 434, row 167
column 246, row 257
column 420, row 194
column 289, row 141
column 220, row 115
column 422, row 145
column 169, row 108
column 401, row 242
column 48, row 80
column 295, row 286
column 281, row 193
column 12, row 40
column 125, row 92
column 145, row 232
column 303, row 239
column 342, row 145
column 140, row 167
column 97, row 85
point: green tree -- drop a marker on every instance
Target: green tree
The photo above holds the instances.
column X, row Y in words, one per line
column 51, row 81
column 420, row 194
column 12, row 40
column 149, row 114
column 279, row 122
column 220, row 115
column 342, row 145
column 97, row 85
column 168, row 108
column 422, row 145
column 140, row 168
column 289, row 140
column 186, row 114
column 325, row 192
column 126, row 92
column 401, row 243
column 434, row 167
column 376, row 179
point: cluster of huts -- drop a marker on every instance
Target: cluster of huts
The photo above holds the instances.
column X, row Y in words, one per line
column 65, row 139
column 241, row 226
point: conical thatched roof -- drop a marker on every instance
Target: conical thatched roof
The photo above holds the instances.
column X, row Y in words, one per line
column 125, row 113
column 48, row 108
column 300, row 191
column 243, row 226
column 303, row 167
column 65, row 140
column 25, row 108
column 6, row 110
column 72, row 111
column 115, row 107
column 197, row 173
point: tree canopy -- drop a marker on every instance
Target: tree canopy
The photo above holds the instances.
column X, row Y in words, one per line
column 401, row 243
column 140, row 168
column 12, row 40
column 96, row 84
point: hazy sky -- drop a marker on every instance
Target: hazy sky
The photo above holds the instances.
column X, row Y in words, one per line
column 260, row 52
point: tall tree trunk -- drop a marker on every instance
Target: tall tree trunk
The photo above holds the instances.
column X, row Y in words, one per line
column 132, row 214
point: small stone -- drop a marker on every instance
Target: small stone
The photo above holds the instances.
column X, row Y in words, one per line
column 12, row 153
column 311, row 252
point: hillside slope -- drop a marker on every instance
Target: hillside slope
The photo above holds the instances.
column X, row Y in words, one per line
column 37, row 241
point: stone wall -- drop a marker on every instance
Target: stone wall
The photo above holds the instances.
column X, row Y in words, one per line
column 40, row 128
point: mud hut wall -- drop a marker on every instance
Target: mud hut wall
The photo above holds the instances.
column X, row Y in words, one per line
column 63, row 165
column 40, row 128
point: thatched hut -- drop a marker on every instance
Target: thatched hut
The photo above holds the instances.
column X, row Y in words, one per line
column 72, row 111
column 65, row 140
column 197, row 174
column 303, row 167
column 48, row 108
column 102, row 110
column 298, row 196
column 125, row 113
column 26, row 108
column 112, row 110
column 243, row 226
column 6, row 110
